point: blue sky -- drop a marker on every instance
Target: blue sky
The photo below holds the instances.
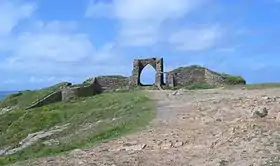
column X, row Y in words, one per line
column 43, row 42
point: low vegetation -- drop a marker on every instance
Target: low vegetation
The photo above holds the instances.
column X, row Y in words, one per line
column 233, row 80
column 89, row 121
column 24, row 98
column 254, row 86
column 263, row 86
column 191, row 67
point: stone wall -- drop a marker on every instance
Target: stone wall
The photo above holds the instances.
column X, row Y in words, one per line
column 180, row 76
column 112, row 82
column 88, row 88
column 193, row 74
column 68, row 93
column 188, row 75
column 76, row 91
column 51, row 98
column 170, row 81
column 213, row 78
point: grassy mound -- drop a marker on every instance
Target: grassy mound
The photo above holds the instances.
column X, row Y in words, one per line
column 90, row 121
column 24, row 98
column 198, row 77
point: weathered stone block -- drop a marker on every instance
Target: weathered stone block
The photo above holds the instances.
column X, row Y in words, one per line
column 75, row 92
column 112, row 82
column 170, row 82
column 69, row 94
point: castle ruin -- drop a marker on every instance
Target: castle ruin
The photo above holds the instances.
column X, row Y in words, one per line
column 180, row 76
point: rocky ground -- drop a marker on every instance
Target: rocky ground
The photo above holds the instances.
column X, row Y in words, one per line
column 195, row 128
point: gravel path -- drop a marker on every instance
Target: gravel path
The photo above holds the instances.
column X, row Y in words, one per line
column 195, row 128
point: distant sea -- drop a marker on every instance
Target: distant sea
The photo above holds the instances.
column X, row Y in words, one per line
column 5, row 93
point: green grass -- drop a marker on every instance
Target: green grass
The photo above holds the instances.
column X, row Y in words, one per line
column 254, row 86
column 25, row 98
column 131, row 111
column 262, row 86
column 191, row 67
column 233, row 79
column 197, row 86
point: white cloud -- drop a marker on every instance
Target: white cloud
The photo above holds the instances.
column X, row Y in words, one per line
column 45, row 49
column 142, row 21
column 157, row 10
column 12, row 13
column 48, row 49
column 230, row 49
column 100, row 9
column 56, row 47
column 53, row 27
column 196, row 39
column 138, row 34
column 54, row 41
column 144, row 10
column 42, row 79
column 9, row 81
column 33, row 79
column 105, row 53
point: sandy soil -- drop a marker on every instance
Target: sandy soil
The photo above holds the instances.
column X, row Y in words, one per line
column 195, row 128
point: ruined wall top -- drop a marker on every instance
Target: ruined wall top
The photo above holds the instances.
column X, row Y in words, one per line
column 146, row 61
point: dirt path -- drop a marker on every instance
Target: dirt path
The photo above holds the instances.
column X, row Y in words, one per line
column 195, row 128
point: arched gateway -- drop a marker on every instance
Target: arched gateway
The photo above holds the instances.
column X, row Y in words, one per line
column 140, row 64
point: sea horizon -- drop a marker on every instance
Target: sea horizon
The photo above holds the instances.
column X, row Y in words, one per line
column 3, row 94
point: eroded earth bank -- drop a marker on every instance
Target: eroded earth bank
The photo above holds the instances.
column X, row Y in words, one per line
column 215, row 127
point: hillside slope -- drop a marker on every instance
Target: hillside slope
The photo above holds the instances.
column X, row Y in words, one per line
column 214, row 127
column 24, row 98
column 63, row 126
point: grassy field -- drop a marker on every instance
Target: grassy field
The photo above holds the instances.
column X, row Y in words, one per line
column 23, row 99
column 254, row 86
column 90, row 121
column 200, row 86
column 262, row 86
column 246, row 86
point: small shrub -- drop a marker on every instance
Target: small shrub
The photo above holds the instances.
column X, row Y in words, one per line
column 46, row 108
column 233, row 80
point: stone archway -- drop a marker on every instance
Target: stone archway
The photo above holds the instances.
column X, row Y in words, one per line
column 140, row 64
